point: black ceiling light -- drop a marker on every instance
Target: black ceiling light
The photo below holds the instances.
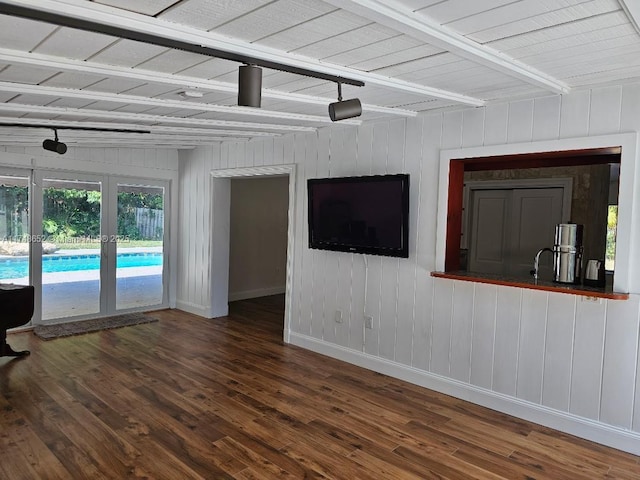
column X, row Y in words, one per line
column 54, row 145
column 249, row 86
column 343, row 109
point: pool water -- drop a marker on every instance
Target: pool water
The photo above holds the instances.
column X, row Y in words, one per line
column 19, row 267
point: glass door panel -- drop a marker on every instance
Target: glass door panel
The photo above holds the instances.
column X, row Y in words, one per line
column 71, row 251
column 140, row 245
column 14, row 230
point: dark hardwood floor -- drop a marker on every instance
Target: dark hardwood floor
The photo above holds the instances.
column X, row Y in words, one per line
column 189, row 398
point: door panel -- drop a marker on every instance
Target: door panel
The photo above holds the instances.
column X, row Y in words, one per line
column 536, row 212
column 489, row 232
column 509, row 226
column 140, row 246
column 14, row 229
column 72, row 254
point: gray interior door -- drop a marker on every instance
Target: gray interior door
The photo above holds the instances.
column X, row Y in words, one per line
column 535, row 213
column 508, row 227
column 490, row 213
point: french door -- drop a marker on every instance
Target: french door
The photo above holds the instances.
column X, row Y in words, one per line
column 15, row 227
column 139, row 244
column 98, row 245
column 69, row 257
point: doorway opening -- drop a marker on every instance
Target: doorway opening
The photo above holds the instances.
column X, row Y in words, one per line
column 221, row 293
column 258, row 237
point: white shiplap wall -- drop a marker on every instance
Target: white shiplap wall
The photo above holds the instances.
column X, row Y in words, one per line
column 553, row 358
column 135, row 162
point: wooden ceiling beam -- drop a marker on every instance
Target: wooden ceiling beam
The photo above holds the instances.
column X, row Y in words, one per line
column 177, row 81
column 632, row 9
column 142, row 119
column 82, row 11
column 20, row 88
column 393, row 14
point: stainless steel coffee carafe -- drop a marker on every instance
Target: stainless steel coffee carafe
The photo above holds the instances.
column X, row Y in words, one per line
column 567, row 253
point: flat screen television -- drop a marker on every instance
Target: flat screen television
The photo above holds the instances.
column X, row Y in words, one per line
column 367, row 214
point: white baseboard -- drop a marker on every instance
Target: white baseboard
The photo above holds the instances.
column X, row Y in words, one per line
column 599, row 432
column 260, row 292
column 200, row 310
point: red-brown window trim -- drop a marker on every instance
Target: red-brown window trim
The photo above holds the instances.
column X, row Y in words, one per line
column 457, row 167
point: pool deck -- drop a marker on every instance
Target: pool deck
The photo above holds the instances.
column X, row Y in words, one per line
column 74, row 298
column 71, row 294
column 85, row 251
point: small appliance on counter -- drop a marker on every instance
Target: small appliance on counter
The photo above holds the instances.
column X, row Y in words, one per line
column 567, row 254
column 594, row 274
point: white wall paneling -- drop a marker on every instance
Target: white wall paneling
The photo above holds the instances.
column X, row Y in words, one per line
column 304, row 257
column 586, row 378
column 507, row 340
column 373, row 293
column 330, row 281
column 574, row 114
column 496, row 122
column 461, row 331
column 520, row 127
column 558, row 352
column 425, row 241
column 343, row 298
column 533, row 324
column 473, row 127
column 452, row 130
column 546, row 118
column 629, row 118
column 482, row 340
column 390, row 323
column 320, row 256
column 194, row 275
column 605, row 110
column 408, row 271
column 553, row 358
column 619, row 364
column 441, row 327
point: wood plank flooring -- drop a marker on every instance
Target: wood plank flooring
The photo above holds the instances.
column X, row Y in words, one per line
column 190, row 398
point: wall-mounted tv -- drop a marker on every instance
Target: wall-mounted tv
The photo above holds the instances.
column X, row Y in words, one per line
column 367, row 214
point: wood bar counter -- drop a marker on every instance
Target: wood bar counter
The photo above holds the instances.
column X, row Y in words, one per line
column 532, row 284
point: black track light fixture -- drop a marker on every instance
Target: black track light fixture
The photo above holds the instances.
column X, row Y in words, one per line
column 55, row 145
column 343, row 109
column 249, row 86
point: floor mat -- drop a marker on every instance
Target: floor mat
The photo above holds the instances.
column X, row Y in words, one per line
column 48, row 332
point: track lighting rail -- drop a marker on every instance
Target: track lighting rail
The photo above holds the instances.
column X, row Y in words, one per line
column 119, row 32
column 94, row 129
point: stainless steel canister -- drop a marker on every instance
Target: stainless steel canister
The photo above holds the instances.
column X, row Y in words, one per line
column 567, row 253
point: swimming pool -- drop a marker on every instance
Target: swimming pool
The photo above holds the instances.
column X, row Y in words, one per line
column 19, row 267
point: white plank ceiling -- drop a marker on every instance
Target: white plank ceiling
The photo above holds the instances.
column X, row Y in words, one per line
column 414, row 56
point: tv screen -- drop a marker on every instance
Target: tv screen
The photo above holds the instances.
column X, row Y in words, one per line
column 360, row 214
